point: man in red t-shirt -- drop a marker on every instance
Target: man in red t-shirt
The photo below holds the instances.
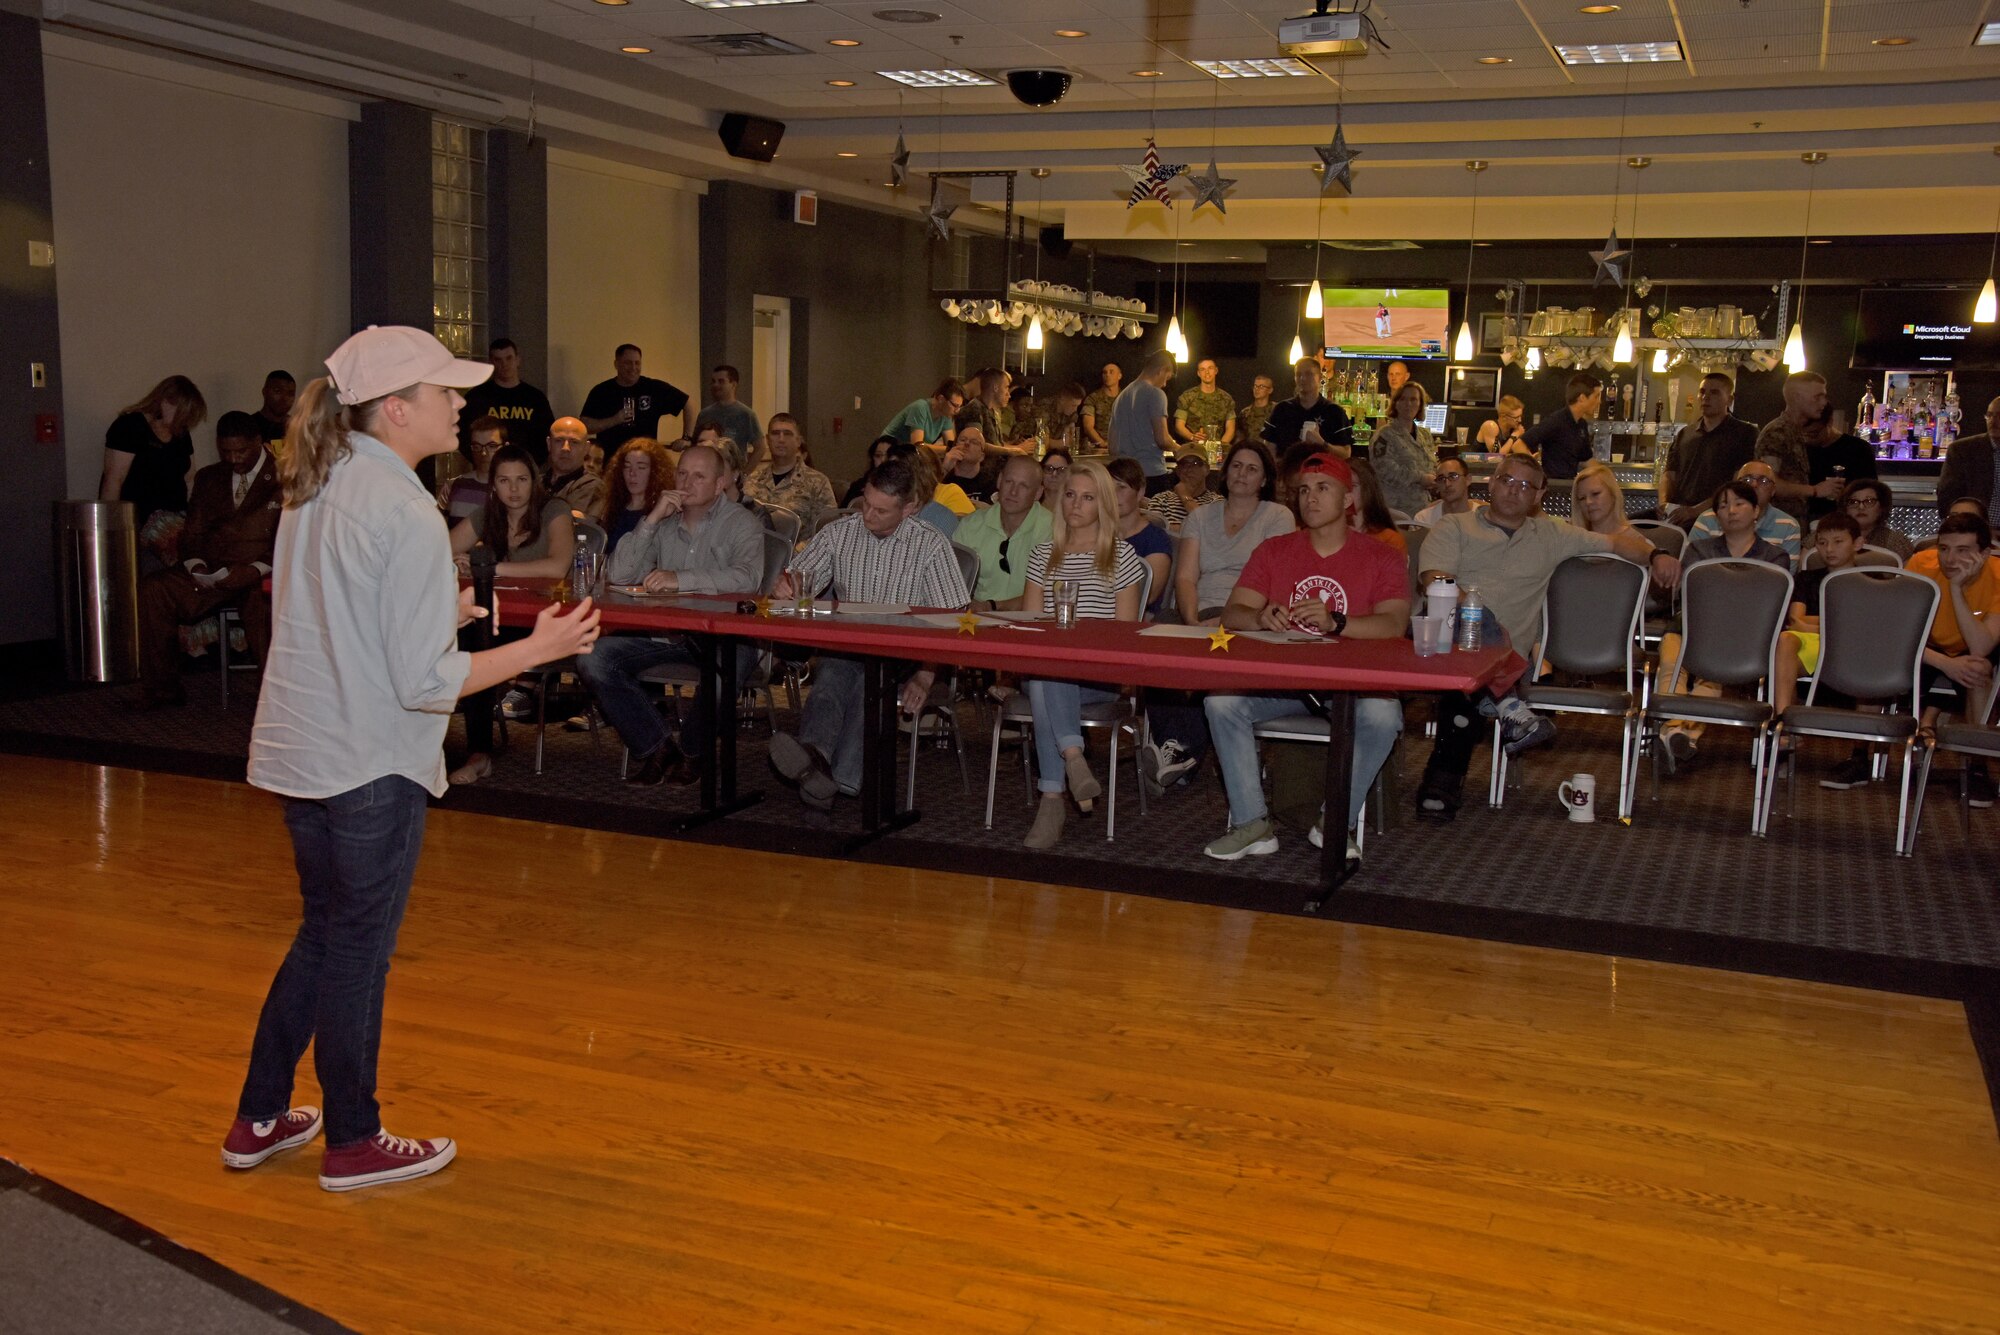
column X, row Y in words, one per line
column 1325, row 579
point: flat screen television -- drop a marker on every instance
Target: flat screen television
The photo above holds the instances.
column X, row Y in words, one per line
column 1905, row 329
column 1407, row 322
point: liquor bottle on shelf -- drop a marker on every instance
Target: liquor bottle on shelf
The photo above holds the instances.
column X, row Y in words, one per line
column 1864, row 415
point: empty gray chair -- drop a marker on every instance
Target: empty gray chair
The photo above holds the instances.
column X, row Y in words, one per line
column 1590, row 628
column 1667, row 537
column 1732, row 613
column 783, row 522
column 1970, row 740
column 1873, row 624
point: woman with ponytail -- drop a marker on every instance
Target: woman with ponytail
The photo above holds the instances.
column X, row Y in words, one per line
column 359, row 686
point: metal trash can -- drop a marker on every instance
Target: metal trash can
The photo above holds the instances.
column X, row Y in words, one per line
column 97, row 569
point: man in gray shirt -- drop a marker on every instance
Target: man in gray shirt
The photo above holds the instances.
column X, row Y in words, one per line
column 1139, row 422
column 693, row 540
column 733, row 418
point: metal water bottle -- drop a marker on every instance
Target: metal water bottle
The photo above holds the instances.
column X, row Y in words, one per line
column 1471, row 620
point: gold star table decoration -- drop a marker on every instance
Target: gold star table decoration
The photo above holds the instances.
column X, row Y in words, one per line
column 968, row 623
column 1219, row 639
column 764, row 608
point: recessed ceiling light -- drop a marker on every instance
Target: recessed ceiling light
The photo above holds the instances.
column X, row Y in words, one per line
column 736, row 4
column 1496, row 60
column 637, row 50
column 1261, row 68
column 1145, row 74
column 1893, row 41
column 843, row 153
column 1822, row 241
column 840, row 83
column 843, row 41
column 614, row 2
column 1988, row 35
column 1620, row 53
column 1071, row 32
column 937, row 78
column 1597, row 9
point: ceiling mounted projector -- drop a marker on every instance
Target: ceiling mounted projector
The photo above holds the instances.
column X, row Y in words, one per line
column 1324, row 34
column 1038, row 88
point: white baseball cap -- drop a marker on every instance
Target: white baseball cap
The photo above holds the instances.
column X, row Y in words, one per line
column 382, row 359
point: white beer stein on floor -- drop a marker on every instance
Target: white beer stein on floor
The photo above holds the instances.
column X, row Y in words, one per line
column 1579, row 798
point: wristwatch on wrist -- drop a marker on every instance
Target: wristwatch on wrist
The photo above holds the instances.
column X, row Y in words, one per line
column 1339, row 620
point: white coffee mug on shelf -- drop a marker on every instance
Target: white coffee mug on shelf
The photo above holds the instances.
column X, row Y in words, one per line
column 1579, row 798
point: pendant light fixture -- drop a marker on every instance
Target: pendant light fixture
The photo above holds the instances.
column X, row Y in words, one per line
column 1296, row 353
column 1462, row 349
column 1036, row 338
column 1659, row 361
column 1622, row 352
column 1534, row 362
column 1987, row 309
column 1795, row 342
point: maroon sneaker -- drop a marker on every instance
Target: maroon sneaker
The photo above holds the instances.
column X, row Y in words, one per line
column 383, row 1158
column 250, row 1143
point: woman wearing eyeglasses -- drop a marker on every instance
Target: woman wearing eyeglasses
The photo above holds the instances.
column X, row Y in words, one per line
column 1055, row 471
column 1867, row 502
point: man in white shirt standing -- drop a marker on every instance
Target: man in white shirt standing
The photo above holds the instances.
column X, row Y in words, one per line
column 363, row 673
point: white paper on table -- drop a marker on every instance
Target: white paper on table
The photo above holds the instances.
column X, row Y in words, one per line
column 999, row 615
column 871, row 609
column 949, row 620
column 1176, row 630
column 1283, row 637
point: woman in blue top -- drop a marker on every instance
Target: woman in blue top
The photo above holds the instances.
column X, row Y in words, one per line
column 1087, row 550
column 1152, row 541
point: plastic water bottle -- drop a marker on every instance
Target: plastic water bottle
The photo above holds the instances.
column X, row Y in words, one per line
column 1471, row 621
column 580, row 575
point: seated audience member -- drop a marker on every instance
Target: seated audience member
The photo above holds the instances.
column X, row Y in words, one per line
column 1403, row 453
column 1215, row 543
column 1505, row 426
column 929, row 421
column 1837, row 540
column 1055, row 471
column 280, row 393
column 691, row 539
column 1086, row 549
column 1508, row 551
column 1736, row 506
column 225, row 550
column 878, row 450
column 568, row 479
column 634, row 479
column 1190, row 490
column 1371, row 513
column 939, row 506
column 1596, row 501
column 1868, row 501
column 1773, row 525
column 1005, row 534
column 1327, row 580
column 786, row 479
column 1453, row 486
column 529, row 531
column 1959, row 657
column 1154, row 545
column 1965, row 505
column 967, row 466
column 466, row 492
column 881, row 553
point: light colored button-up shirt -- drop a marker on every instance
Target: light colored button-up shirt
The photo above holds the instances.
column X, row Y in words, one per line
column 722, row 554
column 1510, row 570
column 913, row 566
column 364, row 667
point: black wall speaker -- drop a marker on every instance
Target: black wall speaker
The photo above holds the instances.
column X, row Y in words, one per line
column 1054, row 244
column 751, row 137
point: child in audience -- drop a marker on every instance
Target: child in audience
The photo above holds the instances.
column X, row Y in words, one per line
column 1837, row 539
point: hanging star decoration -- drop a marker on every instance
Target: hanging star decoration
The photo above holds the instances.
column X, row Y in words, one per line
column 940, row 213
column 1608, row 259
column 899, row 162
column 1219, row 639
column 1336, row 161
column 968, row 623
column 1149, row 178
column 1210, row 186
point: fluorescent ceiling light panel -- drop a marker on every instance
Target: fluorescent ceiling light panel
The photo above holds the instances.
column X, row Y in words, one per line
column 1988, row 35
column 1620, row 53
column 937, row 78
column 1255, row 69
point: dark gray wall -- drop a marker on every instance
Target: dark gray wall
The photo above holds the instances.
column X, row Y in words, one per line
column 517, row 247
column 389, row 215
column 28, row 333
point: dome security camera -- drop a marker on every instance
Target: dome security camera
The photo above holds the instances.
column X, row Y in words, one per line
column 1038, row 88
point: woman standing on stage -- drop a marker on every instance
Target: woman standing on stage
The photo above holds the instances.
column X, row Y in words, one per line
column 359, row 687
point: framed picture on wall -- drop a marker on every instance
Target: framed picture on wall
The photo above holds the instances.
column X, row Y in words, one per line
column 1492, row 331
column 1472, row 386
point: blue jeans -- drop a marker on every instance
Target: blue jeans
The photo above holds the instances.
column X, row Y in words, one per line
column 1232, row 722
column 831, row 723
column 1059, row 725
column 611, row 671
column 356, row 854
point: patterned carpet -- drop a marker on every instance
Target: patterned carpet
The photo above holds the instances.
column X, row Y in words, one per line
column 1821, row 897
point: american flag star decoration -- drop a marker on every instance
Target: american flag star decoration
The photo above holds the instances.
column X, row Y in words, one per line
column 1149, row 178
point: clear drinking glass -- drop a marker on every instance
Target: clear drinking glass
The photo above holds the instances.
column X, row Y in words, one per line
column 1065, row 599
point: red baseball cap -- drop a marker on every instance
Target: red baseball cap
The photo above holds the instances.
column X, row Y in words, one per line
column 1332, row 465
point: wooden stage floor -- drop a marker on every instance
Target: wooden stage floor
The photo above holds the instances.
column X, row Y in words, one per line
column 702, row 1089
